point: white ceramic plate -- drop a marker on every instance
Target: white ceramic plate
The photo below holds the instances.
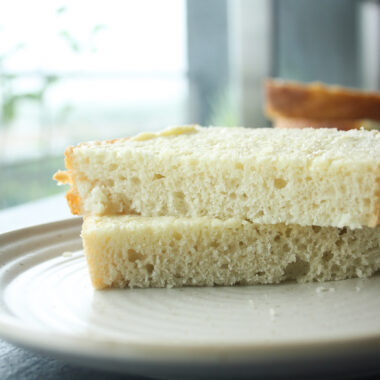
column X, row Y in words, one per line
column 48, row 304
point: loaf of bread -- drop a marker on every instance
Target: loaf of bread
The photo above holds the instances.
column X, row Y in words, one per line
column 318, row 177
column 317, row 101
column 166, row 251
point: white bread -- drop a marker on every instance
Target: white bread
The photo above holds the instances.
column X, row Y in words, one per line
column 319, row 177
column 167, row 251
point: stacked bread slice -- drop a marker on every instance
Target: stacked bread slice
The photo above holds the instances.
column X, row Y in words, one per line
column 224, row 206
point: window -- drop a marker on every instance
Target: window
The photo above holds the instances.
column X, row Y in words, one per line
column 77, row 70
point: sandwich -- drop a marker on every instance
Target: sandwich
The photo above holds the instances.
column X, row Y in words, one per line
column 224, row 206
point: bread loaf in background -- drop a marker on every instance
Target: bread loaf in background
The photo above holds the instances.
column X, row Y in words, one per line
column 316, row 105
column 318, row 101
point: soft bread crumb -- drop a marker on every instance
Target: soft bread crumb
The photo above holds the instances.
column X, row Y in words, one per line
column 167, row 251
column 319, row 177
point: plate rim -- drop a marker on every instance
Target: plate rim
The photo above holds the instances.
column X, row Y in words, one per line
column 95, row 347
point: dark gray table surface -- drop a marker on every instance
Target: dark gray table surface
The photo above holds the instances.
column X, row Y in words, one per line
column 18, row 363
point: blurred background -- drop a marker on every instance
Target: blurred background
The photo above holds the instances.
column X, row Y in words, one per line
column 72, row 71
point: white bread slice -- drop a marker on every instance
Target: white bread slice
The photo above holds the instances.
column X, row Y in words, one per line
column 168, row 251
column 319, row 177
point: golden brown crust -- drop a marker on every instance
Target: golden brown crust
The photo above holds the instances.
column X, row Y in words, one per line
column 73, row 200
column 319, row 102
column 343, row 125
column 65, row 177
column 62, row 177
column 72, row 196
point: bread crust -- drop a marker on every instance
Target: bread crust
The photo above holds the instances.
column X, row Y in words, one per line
column 318, row 101
column 65, row 177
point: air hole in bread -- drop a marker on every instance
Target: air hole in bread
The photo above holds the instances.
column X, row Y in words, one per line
column 302, row 247
column 239, row 166
column 177, row 235
column 179, row 202
column 280, row 183
column 158, row 176
column 259, row 214
column 149, row 268
column 334, row 268
column 297, row 269
column 179, row 270
column 327, row 256
column 113, row 167
column 134, row 256
column 136, row 180
column 316, row 229
column 179, row 194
